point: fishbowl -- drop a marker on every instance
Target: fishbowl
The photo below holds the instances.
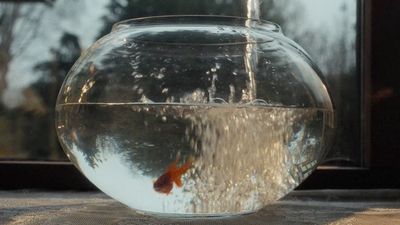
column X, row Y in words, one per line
column 191, row 116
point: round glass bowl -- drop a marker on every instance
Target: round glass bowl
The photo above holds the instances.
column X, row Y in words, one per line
column 195, row 115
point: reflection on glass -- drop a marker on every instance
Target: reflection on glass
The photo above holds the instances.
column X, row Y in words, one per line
column 39, row 43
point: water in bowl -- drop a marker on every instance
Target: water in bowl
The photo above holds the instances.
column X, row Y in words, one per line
column 237, row 157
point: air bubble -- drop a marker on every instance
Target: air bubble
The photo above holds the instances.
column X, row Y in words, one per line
column 218, row 100
column 138, row 76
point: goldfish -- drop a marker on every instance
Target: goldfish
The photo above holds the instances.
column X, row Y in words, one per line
column 173, row 174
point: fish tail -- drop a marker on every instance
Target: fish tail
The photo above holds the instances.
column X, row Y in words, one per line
column 188, row 164
column 182, row 170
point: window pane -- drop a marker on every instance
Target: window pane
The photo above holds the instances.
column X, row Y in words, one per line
column 327, row 30
column 40, row 42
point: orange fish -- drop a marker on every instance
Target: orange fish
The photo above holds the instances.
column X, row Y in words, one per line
column 173, row 174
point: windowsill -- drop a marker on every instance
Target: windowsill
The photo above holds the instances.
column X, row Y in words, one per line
column 300, row 207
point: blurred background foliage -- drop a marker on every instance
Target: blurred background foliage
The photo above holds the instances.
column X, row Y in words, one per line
column 40, row 41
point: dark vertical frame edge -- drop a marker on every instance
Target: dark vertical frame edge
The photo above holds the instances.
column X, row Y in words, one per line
column 364, row 64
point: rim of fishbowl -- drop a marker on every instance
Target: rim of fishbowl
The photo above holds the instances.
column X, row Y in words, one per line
column 258, row 24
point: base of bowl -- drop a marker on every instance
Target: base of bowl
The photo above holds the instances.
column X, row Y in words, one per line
column 194, row 216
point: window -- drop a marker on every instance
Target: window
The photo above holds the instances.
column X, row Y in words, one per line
column 40, row 41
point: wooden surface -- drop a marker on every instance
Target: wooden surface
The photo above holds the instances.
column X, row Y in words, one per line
column 328, row 207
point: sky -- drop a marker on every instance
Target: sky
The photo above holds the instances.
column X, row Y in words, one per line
column 325, row 12
column 83, row 18
column 80, row 17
